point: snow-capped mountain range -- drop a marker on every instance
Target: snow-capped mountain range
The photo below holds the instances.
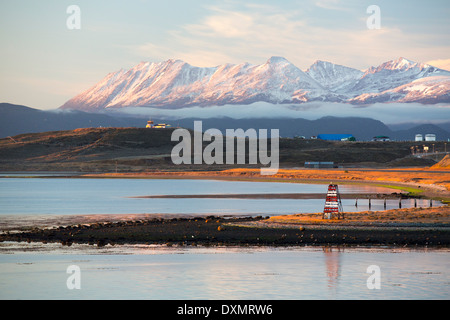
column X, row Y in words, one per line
column 176, row 84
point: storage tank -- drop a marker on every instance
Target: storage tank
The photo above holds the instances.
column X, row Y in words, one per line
column 430, row 137
column 419, row 137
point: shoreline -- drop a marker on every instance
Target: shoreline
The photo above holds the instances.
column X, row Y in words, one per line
column 275, row 196
column 398, row 227
column 421, row 183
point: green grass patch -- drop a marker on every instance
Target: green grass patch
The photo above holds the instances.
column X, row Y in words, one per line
column 412, row 191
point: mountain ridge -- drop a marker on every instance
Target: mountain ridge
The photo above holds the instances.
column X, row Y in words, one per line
column 176, row 84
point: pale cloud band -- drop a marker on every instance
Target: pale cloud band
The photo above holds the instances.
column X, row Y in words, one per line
column 389, row 113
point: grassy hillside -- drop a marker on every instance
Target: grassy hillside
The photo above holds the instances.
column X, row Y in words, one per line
column 137, row 149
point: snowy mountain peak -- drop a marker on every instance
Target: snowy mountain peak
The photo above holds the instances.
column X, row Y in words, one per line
column 392, row 74
column 142, row 64
column 319, row 63
column 176, row 84
column 401, row 63
column 277, row 60
column 333, row 76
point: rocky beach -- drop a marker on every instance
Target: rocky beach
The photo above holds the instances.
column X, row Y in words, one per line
column 401, row 227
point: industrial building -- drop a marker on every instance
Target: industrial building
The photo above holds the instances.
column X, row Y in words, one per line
column 336, row 137
column 320, row 164
column 427, row 137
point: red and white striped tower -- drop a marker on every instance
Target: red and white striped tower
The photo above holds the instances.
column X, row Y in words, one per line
column 333, row 204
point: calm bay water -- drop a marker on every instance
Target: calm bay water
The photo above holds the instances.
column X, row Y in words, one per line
column 37, row 271
column 30, row 196
column 146, row 272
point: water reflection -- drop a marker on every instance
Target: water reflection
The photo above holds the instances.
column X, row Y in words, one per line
column 332, row 263
column 158, row 272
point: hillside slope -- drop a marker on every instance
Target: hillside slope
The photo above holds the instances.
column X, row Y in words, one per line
column 140, row 149
column 443, row 164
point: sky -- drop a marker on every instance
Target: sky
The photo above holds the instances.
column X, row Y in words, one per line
column 44, row 63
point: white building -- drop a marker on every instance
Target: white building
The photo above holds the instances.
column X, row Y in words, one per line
column 419, row 137
column 430, row 137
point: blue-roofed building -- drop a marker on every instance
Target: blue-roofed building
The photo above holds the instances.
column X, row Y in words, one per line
column 336, row 137
column 320, row 164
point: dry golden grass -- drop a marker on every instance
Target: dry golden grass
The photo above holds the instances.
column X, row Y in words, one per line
column 411, row 215
column 444, row 164
column 398, row 176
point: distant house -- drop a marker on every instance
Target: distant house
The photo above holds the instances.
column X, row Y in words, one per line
column 381, row 138
column 336, row 137
column 150, row 124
